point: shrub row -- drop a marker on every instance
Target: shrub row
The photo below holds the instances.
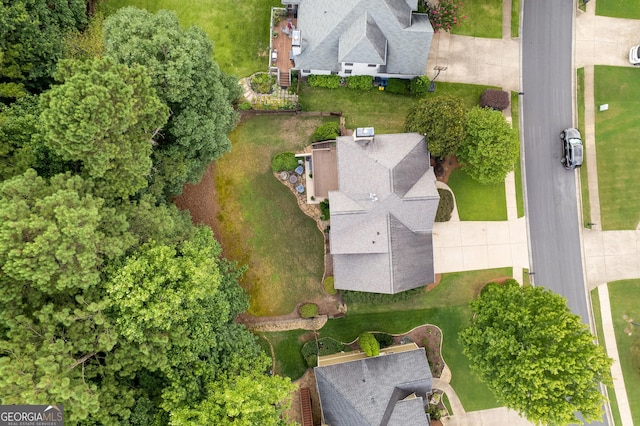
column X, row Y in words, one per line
column 365, row 297
column 327, row 131
column 327, row 345
column 324, row 210
column 360, row 82
column 326, row 81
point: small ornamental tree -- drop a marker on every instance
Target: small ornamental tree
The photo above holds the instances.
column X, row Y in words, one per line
column 490, row 148
column 369, row 344
column 441, row 119
column 536, row 356
column 445, row 14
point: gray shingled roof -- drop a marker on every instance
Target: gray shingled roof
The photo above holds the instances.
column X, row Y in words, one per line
column 371, row 391
column 332, row 32
column 382, row 214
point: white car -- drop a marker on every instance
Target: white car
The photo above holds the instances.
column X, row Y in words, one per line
column 634, row 55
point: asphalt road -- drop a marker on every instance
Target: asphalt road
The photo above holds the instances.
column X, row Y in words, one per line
column 556, row 258
column 554, row 234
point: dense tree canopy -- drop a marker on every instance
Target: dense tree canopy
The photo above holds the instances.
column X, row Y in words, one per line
column 104, row 116
column 31, row 41
column 441, row 119
column 188, row 80
column 490, row 148
column 536, row 356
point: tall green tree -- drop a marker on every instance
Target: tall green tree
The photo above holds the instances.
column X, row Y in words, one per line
column 31, row 42
column 104, row 115
column 536, row 356
column 188, row 80
column 490, row 148
column 441, row 119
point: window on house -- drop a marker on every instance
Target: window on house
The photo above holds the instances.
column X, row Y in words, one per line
column 372, row 65
column 347, row 71
column 306, row 71
column 348, row 64
column 334, row 72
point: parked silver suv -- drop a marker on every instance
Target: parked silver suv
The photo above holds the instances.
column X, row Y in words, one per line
column 571, row 148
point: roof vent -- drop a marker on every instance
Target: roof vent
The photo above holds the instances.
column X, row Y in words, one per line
column 363, row 136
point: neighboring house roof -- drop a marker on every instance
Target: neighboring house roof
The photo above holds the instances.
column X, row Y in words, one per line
column 381, row 32
column 382, row 214
column 372, row 391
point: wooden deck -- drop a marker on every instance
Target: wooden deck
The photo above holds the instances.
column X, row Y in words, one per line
column 282, row 44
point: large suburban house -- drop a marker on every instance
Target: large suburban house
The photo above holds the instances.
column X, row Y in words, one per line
column 391, row 389
column 382, row 38
column 383, row 212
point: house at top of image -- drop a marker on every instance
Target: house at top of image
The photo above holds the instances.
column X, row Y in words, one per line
column 391, row 389
column 381, row 38
column 382, row 213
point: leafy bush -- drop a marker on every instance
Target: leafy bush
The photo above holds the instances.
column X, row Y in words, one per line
column 419, row 85
column 445, row 206
column 385, row 340
column 263, row 83
column 495, row 99
column 328, row 286
column 309, row 310
column 244, row 106
column 327, row 131
column 377, row 298
column 324, row 210
column 369, row 344
column 360, row 82
column 327, row 345
column 445, row 15
column 285, row 161
column 327, row 81
column 398, row 85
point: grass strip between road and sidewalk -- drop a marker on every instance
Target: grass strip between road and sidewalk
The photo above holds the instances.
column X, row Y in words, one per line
column 584, row 170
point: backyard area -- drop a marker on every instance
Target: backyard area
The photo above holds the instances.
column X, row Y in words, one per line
column 445, row 305
column 617, row 134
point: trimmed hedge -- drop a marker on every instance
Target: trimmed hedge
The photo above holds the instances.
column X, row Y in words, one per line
column 309, row 310
column 327, row 81
column 419, row 85
column 329, row 286
column 495, row 99
column 328, row 131
column 285, row 161
column 327, row 345
column 360, row 82
column 445, row 206
column 366, row 297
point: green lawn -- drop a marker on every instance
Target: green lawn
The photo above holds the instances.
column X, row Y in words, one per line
column 618, row 8
column 584, row 170
column 259, row 221
column 618, row 150
column 483, row 19
column 515, row 120
column 624, row 297
column 515, row 18
column 238, row 29
column 597, row 316
column 287, row 346
column 476, row 201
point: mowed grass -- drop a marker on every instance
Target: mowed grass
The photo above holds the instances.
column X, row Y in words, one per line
column 259, row 219
column 618, row 8
column 515, row 122
column 239, row 30
column 483, row 19
column 597, row 316
column 618, row 150
column 515, row 18
column 624, row 297
column 287, row 347
column 476, row 201
column 584, row 170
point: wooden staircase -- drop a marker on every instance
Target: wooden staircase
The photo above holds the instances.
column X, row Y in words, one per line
column 305, row 407
column 284, row 79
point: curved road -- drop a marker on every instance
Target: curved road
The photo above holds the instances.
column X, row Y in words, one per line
column 554, row 235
